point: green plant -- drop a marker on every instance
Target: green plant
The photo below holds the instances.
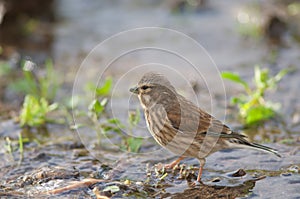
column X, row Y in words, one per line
column 253, row 107
column 103, row 124
column 103, row 90
column 8, row 146
column 34, row 111
column 21, row 148
column 96, row 109
column 95, row 113
column 12, row 145
column 44, row 86
column 132, row 143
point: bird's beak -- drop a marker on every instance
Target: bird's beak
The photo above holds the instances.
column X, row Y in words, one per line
column 134, row 90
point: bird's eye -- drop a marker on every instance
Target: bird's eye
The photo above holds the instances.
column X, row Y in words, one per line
column 145, row 87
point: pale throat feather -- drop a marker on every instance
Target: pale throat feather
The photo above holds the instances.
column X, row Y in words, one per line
column 145, row 100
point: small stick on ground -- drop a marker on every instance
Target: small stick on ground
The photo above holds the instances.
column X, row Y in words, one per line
column 76, row 185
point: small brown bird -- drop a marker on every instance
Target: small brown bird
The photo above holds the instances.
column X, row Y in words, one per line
column 182, row 127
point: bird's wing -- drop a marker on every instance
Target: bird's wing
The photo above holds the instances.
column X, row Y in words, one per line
column 191, row 119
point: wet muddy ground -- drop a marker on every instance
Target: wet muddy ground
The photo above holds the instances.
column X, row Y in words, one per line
column 63, row 167
column 62, row 163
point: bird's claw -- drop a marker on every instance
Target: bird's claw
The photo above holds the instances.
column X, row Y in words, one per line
column 170, row 166
column 195, row 184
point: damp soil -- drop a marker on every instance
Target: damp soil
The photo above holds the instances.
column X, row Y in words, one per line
column 63, row 167
column 58, row 162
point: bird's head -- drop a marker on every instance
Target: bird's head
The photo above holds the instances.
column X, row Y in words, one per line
column 151, row 89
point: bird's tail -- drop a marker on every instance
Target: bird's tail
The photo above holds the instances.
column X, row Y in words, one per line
column 264, row 148
column 239, row 142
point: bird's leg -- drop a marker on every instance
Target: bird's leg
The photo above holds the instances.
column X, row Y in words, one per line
column 202, row 163
column 174, row 163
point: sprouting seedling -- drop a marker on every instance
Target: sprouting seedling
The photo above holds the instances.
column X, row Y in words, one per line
column 133, row 143
column 34, row 111
column 134, row 118
column 253, row 107
column 44, row 86
column 96, row 110
column 103, row 124
column 103, row 90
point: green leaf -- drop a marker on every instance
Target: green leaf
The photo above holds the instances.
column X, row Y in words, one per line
column 107, row 128
column 105, row 88
column 234, row 77
column 34, row 111
column 281, row 74
column 134, row 117
column 104, row 102
column 96, row 107
column 114, row 121
column 21, row 141
column 113, row 124
column 272, row 82
column 258, row 114
column 261, row 77
column 52, row 107
column 27, row 85
column 240, row 100
column 134, row 144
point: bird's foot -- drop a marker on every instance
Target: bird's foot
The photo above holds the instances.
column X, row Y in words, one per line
column 195, row 184
column 171, row 165
column 174, row 163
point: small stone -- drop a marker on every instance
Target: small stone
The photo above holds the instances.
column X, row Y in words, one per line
column 127, row 182
column 139, row 183
column 239, row 173
column 112, row 189
column 294, row 169
column 286, row 174
column 25, row 178
column 217, row 179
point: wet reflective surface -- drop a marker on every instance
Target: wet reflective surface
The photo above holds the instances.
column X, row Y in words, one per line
column 62, row 163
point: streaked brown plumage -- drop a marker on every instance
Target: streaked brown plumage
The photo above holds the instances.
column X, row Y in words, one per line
column 182, row 127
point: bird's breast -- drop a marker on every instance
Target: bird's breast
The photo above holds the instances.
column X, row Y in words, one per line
column 159, row 125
